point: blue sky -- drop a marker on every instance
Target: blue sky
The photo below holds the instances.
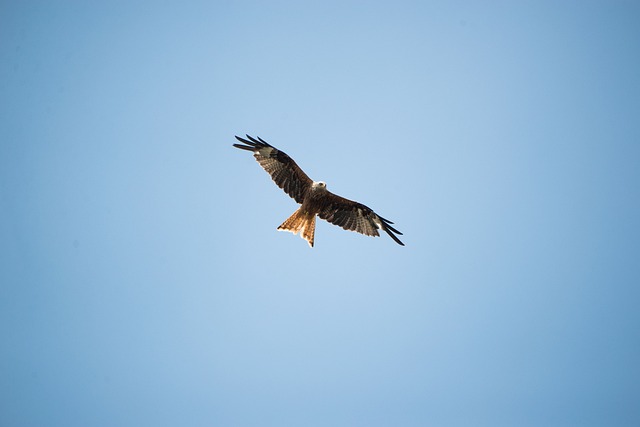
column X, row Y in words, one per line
column 143, row 279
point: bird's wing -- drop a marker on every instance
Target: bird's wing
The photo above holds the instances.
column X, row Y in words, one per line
column 283, row 170
column 355, row 216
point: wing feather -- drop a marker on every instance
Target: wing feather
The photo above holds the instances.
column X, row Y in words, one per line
column 283, row 170
column 355, row 216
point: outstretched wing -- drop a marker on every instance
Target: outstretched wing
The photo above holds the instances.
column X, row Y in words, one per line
column 355, row 216
column 283, row 170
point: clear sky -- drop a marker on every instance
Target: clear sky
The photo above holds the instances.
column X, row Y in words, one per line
column 143, row 281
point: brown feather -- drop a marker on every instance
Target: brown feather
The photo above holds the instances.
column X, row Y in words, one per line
column 301, row 222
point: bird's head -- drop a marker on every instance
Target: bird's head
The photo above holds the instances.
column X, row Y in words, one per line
column 319, row 185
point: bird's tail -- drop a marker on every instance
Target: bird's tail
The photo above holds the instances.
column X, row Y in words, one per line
column 303, row 223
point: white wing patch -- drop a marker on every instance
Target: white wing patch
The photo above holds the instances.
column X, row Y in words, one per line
column 377, row 221
column 264, row 151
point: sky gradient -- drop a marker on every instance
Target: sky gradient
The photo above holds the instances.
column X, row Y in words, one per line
column 143, row 281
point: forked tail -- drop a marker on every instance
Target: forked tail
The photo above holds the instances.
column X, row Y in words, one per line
column 303, row 223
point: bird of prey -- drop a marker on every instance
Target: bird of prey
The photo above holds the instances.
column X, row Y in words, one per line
column 313, row 197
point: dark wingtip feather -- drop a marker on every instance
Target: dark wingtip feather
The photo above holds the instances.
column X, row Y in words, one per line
column 259, row 142
column 394, row 237
column 390, row 230
column 264, row 142
column 251, row 144
column 393, row 229
column 385, row 220
column 244, row 147
column 244, row 141
column 388, row 223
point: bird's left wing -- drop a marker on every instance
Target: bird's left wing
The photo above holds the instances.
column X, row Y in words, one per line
column 283, row 170
column 355, row 216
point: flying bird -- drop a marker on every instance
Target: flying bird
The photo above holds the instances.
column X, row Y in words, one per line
column 314, row 197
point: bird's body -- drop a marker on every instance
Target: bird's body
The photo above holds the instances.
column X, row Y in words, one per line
column 314, row 197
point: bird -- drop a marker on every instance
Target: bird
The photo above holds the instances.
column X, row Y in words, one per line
column 313, row 197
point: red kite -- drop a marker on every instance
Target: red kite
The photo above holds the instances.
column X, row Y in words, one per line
column 314, row 197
